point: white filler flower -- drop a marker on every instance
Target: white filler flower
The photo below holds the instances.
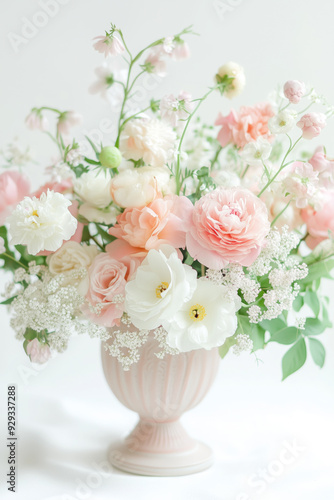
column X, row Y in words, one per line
column 204, row 321
column 254, row 153
column 160, row 287
column 42, row 224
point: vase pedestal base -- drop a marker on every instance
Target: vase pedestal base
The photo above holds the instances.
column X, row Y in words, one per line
column 197, row 459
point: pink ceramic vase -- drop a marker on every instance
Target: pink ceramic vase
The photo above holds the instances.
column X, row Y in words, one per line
column 160, row 391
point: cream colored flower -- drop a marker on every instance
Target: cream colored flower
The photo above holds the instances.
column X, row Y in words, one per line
column 94, row 188
column 72, row 257
column 42, row 224
column 135, row 188
column 232, row 69
column 150, row 140
column 101, row 215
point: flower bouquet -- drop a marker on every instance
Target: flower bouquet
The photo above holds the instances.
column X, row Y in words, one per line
column 183, row 236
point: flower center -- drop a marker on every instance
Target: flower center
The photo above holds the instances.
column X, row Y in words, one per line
column 257, row 154
column 35, row 213
column 282, row 123
column 234, row 209
column 161, row 288
column 197, row 312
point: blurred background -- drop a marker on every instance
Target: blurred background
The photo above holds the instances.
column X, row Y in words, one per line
column 67, row 415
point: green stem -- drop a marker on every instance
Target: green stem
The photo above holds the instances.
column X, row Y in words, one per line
column 14, row 260
column 96, row 242
column 216, row 156
column 279, row 215
column 177, row 171
column 283, row 165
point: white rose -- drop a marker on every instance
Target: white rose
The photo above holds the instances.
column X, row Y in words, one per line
column 203, row 321
column 94, row 188
column 72, row 257
column 160, row 287
column 133, row 188
column 42, row 224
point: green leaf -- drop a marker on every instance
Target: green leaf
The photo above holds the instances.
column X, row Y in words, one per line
column 253, row 330
column 229, row 342
column 8, row 301
column 30, row 334
column 314, row 326
column 311, row 299
column 85, row 234
column 273, row 325
column 91, row 162
column 318, row 352
column 294, row 358
column 318, row 270
column 298, row 303
column 96, row 151
column 108, row 238
column 286, row 336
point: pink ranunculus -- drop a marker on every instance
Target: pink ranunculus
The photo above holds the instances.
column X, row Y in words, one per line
column 324, row 167
column 164, row 220
column 37, row 352
column 247, row 125
column 312, row 124
column 64, row 186
column 73, row 209
column 107, row 280
column 294, row 90
column 320, row 223
column 13, row 188
column 228, row 225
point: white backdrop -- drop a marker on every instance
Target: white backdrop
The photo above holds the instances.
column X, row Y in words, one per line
column 66, row 413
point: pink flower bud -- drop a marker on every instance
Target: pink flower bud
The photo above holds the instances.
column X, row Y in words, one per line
column 38, row 353
column 294, row 90
column 311, row 124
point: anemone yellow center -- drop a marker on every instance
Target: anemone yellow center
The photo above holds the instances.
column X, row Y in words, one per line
column 197, row 312
column 161, row 288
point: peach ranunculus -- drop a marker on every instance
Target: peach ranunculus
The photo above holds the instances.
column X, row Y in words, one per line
column 164, row 220
column 228, row 225
column 108, row 275
column 13, row 188
column 244, row 126
column 320, row 223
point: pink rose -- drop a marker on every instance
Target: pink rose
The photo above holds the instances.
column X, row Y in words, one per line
column 228, row 225
column 294, row 90
column 164, row 220
column 37, row 352
column 319, row 223
column 312, row 124
column 324, row 167
column 13, row 188
column 107, row 280
column 247, row 125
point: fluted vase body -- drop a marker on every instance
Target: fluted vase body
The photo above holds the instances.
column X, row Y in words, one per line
column 160, row 391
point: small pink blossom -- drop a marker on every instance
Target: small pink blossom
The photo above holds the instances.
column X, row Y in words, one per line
column 294, row 90
column 312, row 124
column 173, row 109
column 66, row 120
column 38, row 352
column 324, row 167
column 301, row 183
column 108, row 75
column 37, row 121
column 247, row 125
column 13, row 188
column 164, row 220
column 155, row 64
column 108, row 45
column 228, row 225
column 181, row 50
column 320, row 223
